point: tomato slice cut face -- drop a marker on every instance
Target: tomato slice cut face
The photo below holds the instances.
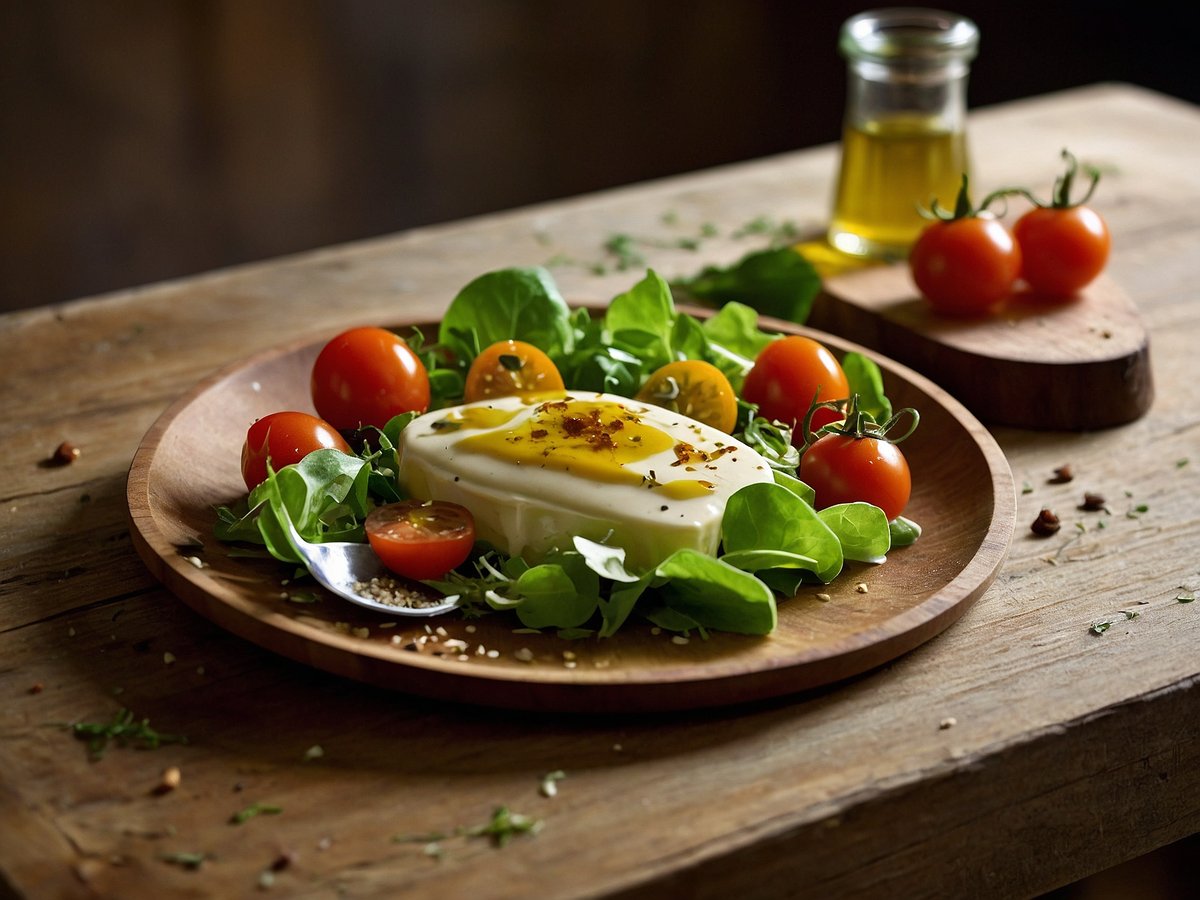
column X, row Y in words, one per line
column 421, row 539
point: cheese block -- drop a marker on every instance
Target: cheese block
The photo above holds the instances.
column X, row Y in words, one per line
column 537, row 470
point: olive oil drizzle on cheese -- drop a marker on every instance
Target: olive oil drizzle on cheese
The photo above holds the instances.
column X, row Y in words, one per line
column 594, row 440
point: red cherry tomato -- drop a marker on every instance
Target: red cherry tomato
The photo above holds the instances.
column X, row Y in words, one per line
column 1062, row 249
column 365, row 376
column 284, row 438
column 965, row 266
column 786, row 376
column 421, row 539
column 846, row 469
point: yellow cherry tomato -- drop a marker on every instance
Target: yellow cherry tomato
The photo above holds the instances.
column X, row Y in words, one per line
column 508, row 368
column 696, row 389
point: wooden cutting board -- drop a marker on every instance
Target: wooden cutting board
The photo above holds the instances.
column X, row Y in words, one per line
column 1079, row 364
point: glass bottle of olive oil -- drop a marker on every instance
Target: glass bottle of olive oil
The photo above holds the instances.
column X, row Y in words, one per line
column 905, row 137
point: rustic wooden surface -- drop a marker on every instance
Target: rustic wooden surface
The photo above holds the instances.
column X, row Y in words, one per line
column 1014, row 753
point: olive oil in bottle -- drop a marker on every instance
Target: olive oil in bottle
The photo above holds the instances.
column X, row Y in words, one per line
column 904, row 140
column 890, row 169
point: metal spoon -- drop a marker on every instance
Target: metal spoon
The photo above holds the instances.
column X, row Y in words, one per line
column 338, row 565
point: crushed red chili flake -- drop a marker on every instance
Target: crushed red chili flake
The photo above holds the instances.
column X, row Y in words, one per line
column 686, row 454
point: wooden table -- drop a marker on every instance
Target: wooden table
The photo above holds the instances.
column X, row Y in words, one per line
column 1014, row 753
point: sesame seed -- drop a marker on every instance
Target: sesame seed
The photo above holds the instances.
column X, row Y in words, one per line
column 524, row 655
column 861, row 587
column 678, row 639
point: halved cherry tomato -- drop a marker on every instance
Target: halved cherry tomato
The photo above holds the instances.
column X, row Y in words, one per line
column 421, row 539
column 696, row 389
column 511, row 367
column 787, row 375
column 284, row 438
column 843, row 468
column 365, row 376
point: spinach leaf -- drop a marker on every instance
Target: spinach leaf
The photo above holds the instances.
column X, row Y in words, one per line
column 715, row 594
column 515, row 303
column 867, row 381
column 778, row 282
column 763, row 517
column 862, row 529
column 559, row 593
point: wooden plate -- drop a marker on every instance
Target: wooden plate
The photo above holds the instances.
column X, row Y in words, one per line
column 188, row 464
column 1078, row 364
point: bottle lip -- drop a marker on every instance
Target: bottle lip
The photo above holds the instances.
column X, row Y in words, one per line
column 909, row 34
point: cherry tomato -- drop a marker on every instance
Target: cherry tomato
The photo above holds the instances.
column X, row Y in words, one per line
column 284, row 438
column 511, row 367
column 365, row 376
column 786, row 376
column 1062, row 248
column 965, row 266
column 843, row 468
column 696, row 389
column 421, row 539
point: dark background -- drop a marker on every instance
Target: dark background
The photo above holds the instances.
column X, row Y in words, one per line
column 148, row 139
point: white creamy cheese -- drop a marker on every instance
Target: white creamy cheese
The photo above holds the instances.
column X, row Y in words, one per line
column 534, row 472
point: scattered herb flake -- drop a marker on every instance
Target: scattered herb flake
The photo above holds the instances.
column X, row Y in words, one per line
column 1180, row 463
column 549, row 785
column 1102, row 625
column 254, row 809
column 124, row 730
column 1187, row 597
column 1135, row 511
column 504, row 825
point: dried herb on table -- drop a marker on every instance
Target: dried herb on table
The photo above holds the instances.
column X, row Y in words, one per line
column 124, row 730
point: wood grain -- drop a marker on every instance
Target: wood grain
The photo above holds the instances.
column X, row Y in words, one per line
column 1068, row 752
column 187, row 466
column 1077, row 364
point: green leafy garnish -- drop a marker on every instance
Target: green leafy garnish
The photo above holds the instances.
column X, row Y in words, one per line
column 254, row 810
column 123, row 729
column 1100, row 626
column 505, row 825
column 777, row 282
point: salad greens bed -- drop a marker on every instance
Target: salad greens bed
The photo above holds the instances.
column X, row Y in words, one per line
column 773, row 540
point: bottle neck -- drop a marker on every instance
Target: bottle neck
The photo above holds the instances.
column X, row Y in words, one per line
column 880, row 93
